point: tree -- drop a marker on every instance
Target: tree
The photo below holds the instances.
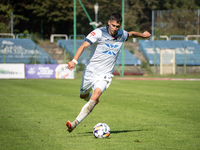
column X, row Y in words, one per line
column 5, row 13
column 57, row 15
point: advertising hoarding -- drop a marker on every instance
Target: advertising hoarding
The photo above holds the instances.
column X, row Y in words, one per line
column 48, row 71
column 12, row 71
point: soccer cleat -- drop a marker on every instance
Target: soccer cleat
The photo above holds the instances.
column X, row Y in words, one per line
column 70, row 128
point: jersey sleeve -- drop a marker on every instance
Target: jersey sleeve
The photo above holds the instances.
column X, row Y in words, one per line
column 94, row 36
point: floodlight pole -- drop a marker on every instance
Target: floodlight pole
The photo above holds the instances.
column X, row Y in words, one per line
column 198, row 22
column 152, row 27
column 95, row 23
column 75, row 34
column 123, row 44
column 96, row 8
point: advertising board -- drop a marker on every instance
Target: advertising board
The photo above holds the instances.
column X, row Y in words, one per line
column 12, row 71
column 48, row 71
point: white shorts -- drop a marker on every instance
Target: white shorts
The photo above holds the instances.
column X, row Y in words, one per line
column 90, row 82
column 102, row 84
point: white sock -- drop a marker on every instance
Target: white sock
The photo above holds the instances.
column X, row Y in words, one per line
column 88, row 98
column 85, row 111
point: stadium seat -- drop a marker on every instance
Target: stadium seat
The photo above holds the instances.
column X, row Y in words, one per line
column 23, row 51
column 192, row 50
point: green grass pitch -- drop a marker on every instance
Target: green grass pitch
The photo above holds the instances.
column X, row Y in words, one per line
column 142, row 115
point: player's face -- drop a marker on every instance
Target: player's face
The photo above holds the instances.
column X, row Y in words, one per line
column 113, row 27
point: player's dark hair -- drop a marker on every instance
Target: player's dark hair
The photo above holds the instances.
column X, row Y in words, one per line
column 117, row 17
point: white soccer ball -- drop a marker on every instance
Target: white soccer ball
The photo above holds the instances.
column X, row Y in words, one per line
column 101, row 130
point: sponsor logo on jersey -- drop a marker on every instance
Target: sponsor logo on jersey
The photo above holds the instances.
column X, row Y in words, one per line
column 110, row 48
column 92, row 33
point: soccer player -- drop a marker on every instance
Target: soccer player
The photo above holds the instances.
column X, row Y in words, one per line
column 105, row 45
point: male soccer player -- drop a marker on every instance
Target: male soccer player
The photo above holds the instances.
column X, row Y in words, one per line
column 105, row 45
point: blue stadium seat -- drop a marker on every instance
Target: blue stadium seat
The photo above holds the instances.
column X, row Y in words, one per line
column 23, row 51
column 192, row 50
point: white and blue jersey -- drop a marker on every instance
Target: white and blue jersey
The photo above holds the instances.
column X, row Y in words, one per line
column 104, row 50
column 103, row 56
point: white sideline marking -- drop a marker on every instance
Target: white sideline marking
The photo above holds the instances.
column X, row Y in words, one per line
column 170, row 79
column 37, row 94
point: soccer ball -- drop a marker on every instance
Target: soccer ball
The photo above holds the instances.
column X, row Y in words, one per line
column 101, row 130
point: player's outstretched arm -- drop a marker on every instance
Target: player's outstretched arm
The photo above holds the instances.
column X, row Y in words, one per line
column 145, row 34
column 80, row 50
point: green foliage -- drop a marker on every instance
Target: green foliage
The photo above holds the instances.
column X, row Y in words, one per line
column 56, row 16
column 5, row 13
column 56, row 10
column 141, row 114
column 26, row 32
column 35, row 37
column 176, row 22
column 146, row 66
column 53, row 12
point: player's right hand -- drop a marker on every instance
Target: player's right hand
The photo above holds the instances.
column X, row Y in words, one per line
column 71, row 65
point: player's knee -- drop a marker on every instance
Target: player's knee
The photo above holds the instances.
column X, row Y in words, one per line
column 96, row 94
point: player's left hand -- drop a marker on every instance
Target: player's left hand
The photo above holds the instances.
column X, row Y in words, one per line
column 146, row 34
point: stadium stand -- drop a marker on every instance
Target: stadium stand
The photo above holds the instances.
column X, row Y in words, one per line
column 129, row 58
column 192, row 50
column 23, row 51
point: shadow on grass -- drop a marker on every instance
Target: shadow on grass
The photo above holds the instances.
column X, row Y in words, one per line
column 112, row 132
column 122, row 131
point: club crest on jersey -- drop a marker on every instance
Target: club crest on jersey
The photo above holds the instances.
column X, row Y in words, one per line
column 109, row 49
column 119, row 38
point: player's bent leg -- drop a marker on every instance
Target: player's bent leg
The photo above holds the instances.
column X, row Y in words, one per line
column 86, row 109
column 89, row 106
